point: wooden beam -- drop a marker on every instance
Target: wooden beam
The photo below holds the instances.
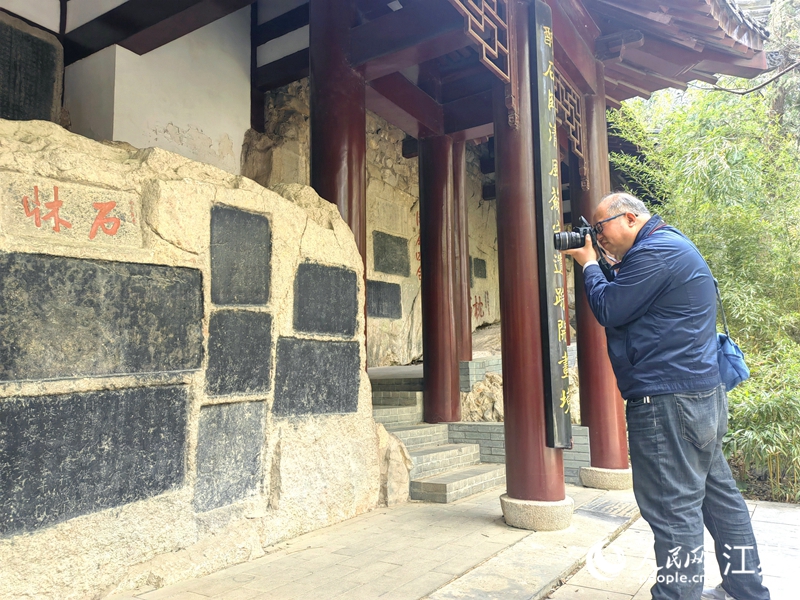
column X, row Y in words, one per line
column 693, row 19
column 657, row 55
column 704, row 77
column 621, row 7
column 613, row 46
column 740, row 68
column 407, row 37
column 572, row 54
column 651, row 80
column 144, row 25
column 479, row 132
column 468, row 113
column 580, row 17
column 481, row 81
column 666, row 64
column 626, row 87
column 283, row 71
column 387, row 110
column 280, row 26
column 408, row 99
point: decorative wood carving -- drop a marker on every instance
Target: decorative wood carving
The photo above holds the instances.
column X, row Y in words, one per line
column 489, row 24
column 569, row 114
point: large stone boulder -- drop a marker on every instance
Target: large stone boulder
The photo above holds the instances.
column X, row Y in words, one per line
column 185, row 350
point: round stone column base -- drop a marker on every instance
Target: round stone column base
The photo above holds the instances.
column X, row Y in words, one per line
column 537, row 515
column 606, row 479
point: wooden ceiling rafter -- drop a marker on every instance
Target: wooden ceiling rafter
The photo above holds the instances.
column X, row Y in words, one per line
column 144, row 25
column 704, row 77
column 411, row 100
column 406, row 38
column 572, row 51
column 618, row 7
column 655, row 80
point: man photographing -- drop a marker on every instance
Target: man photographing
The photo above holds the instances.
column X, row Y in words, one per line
column 659, row 312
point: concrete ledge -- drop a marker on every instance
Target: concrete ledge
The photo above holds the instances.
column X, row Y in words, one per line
column 606, row 479
column 536, row 515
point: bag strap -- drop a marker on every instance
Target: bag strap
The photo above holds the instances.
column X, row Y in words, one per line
column 722, row 309
column 716, row 285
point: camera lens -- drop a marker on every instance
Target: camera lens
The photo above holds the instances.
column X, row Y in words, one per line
column 567, row 240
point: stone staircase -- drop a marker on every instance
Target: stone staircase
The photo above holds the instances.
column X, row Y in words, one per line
column 442, row 471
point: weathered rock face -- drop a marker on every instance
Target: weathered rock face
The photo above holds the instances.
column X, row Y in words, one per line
column 484, row 280
column 394, row 309
column 281, row 156
column 395, row 462
column 485, row 401
column 183, row 375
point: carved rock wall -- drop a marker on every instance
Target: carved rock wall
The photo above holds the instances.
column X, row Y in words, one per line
column 182, row 381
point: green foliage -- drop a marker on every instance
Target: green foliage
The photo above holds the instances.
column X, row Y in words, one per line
column 725, row 169
column 764, row 427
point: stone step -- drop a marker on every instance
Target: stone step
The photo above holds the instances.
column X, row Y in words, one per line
column 458, row 483
column 432, row 460
column 422, row 434
column 397, row 415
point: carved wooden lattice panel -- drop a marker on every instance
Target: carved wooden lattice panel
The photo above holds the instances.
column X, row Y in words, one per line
column 488, row 25
column 569, row 113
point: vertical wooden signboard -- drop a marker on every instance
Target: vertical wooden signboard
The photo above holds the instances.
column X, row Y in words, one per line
column 547, row 185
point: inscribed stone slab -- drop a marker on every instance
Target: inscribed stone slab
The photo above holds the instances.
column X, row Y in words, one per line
column 72, row 454
column 68, row 317
column 69, row 212
column 229, row 446
column 316, row 377
column 239, row 352
column 31, row 68
column 325, row 300
column 383, row 300
column 391, row 254
column 479, row 266
column 241, row 249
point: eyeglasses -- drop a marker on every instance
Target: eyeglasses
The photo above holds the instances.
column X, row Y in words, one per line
column 598, row 227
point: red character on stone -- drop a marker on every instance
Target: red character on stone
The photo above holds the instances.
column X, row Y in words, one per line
column 54, row 207
column 33, row 212
column 108, row 225
column 478, row 306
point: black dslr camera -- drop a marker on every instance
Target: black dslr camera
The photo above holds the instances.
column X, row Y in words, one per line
column 569, row 240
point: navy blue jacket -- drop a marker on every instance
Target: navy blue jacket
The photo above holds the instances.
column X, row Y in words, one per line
column 660, row 315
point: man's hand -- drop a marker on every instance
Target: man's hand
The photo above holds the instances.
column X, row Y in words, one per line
column 582, row 255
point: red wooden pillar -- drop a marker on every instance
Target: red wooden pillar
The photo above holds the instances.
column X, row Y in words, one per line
column 602, row 409
column 338, row 115
column 533, row 471
column 440, row 363
column 461, row 244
